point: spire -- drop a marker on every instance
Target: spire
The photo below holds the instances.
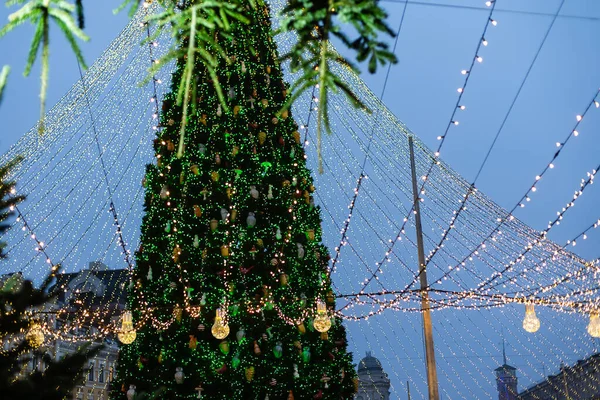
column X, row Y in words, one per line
column 503, row 352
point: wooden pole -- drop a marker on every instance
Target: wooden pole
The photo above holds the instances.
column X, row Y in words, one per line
column 432, row 381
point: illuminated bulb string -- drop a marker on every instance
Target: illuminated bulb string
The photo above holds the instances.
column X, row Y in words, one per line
column 453, row 121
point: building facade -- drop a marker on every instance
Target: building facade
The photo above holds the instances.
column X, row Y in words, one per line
column 373, row 382
column 97, row 290
column 577, row 382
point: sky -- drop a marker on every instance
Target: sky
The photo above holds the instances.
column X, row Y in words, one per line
column 437, row 40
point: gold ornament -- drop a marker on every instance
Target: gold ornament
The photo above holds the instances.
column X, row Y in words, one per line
column 35, row 335
column 195, row 170
column 193, row 342
column 249, row 374
column 594, row 326
column 127, row 333
column 220, row 328
column 296, row 135
column 310, row 234
column 531, row 323
column 197, row 210
column 283, row 279
column 225, row 251
column 301, row 328
column 214, row 224
column 322, row 323
column 214, row 176
column 262, row 137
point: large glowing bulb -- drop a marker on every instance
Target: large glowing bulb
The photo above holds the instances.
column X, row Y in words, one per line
column 127, row 334
column 35, row 335
column 220, row 329
column 322, row 323
column 594, row 326
column 531, row 323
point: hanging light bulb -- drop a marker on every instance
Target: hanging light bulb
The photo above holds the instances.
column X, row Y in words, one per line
column 593, row 327
column 35, row 335
column 322, row 323
column 127, row 333
column 220, row 329
column 531, row 323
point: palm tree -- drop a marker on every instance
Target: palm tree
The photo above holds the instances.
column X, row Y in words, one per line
column 39, row 13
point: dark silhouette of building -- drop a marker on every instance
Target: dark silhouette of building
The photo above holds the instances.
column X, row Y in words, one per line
column 506, row 379
column 373, row 382
column 578, row 382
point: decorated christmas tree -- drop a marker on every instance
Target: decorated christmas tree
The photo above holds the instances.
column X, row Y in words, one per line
column 231, row 296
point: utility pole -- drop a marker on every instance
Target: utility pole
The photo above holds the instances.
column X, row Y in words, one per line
column 432, row 381
column 408, row 389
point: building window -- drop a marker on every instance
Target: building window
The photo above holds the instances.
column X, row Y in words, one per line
column 91, row 373
column 111, row 371
column 101, row 374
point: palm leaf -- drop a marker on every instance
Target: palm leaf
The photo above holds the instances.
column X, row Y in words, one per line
column 35, row 45
column 3, row 78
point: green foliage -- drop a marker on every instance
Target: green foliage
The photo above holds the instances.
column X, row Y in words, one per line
column 3, row 79
column 40, row 13
column 8, row 198
column 232, row 224
column 314, row 24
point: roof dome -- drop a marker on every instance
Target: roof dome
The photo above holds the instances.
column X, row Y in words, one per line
column 369, row 363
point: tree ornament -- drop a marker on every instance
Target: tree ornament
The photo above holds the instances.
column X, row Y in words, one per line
column 201, row 327
column 179, row 375
column 243, row 68
column 149, row 275
column 278, row 235
column 225, row 251
column 324, row 336
column 290, row 396
column 219, row 111
column 164, row 192
column 325, row 379
column 168, row 227
column 202, row 148
column 235, row 362
column 253, row 192
column 233, row 215
column 318, row 395
column 249, row 373
column 127, row 333
column 306, row 354
column 303, row 300
column 199, row 389
column 203, row 300
column 273, row 382
column 278, row 350
column 310, row 234
column 262, row 137
column 35, row 335
column 257, row 350
column 220, row 328
column 177, row 312
column 236, row 110
column 240, row 335
column 131, row 392
column 285, row 114
column 251, row 220
column 222, row 369
column 224, row 214
column 193, row 342
column 197, row 211
column 300, row 250
column 214, row 224
column 214, row 175
column 283, row 279
column 224, row 346
column 202, row 119
column 264, row 102
column 196, row 242
column 270, row 193
column 301, row 328
column 217, row 159
column 321, row 323
column 296, row 373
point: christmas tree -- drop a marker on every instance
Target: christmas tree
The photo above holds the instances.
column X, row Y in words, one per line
column 231, row 295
